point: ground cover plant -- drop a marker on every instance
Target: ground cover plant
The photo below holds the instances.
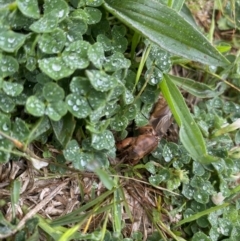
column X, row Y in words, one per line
column 77, row 77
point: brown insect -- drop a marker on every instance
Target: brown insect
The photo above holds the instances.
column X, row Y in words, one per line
column 135, row 148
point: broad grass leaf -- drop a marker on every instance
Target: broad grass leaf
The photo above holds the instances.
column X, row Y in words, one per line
column 166, row 28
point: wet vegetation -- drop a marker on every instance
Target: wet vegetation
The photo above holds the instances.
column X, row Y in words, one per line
column 119, row 120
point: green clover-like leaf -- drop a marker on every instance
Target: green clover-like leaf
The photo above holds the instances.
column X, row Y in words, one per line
column 35, row 106
column 29, row 8
column 103, row 141
column 94, row 3
column 12, row 89
column 115, row 62
column 101, row 81
column 75, row 55
column 79, row 85
column 55, row 68
column 20, row 130
column 6, row 103
column 8, row 65
column 11, row 41
column 63, row 129
column 74, row 29
column 94, row 15
column 119, row 123
column 58, row 8
column 52, row 92
column 56, row 110
column 53, row 42
column 96, row 54
column 45, row 24
column 72, row 150
column 78, row 105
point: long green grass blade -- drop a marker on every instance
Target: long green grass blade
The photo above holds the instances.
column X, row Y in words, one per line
column 165, row 27
column 190, row 135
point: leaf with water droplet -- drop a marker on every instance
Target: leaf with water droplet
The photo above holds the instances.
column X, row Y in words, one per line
column 170, row 151
column 119, row 123
column 56, row 110
column 94, row 3
column 63, row 129
column 103, row 141
column 201, row 197
column 150, row 94
column 20, row 130
column 58, row 8
column 75, row 55
column 8, row 65
column 200, row 236
column 52, row 92
column 119, row 42
column 96, row 54
column 29, row 8
column 45, row 24
column 130, row 111
column 198, row 168
column 7, row 104
column 53, row 42
column 74, row 29
column 11, row 41
column 101, row 81
column 141, row 120
column 128, row 96
column 153, row 75
column 105, row 41
column 94, row 15
column 72, row 150
column 78, row 105
column 12, row 89
column 80, row 85
column 35, row 106
column 55, row 68
column 115, row 62
column 97, row 99
column 5, row 124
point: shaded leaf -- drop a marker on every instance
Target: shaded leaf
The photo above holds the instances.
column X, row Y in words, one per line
column 8, row 65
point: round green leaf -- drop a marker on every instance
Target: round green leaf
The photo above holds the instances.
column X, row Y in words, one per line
column 72, row 150
column 20, row 130
column 96, row 54
column 127, row 96
column 101, row 81
column 75, row 55
column 170, row 151
column 78, row 105
column 80, row 85
column 74, row 29
column 53, row 42
column 103, row 141
column 200, row 236
column 55, row 68
column 12, row 89
column 153, row 75
column 115, row 62
column 52, row 92
column 29, row 8
column 94, row 15
column 56, row 110
column 105, row 41
column 94, row 3
column 35, row 106
column 58, row 8
column 97, row 99
column 119, row 123
column 46, row 24
column 130, row 112
column 6, row 103
column 11, row 41
column 8, row 65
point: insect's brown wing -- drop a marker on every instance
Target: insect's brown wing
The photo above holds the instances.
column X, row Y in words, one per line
column 161, row 117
